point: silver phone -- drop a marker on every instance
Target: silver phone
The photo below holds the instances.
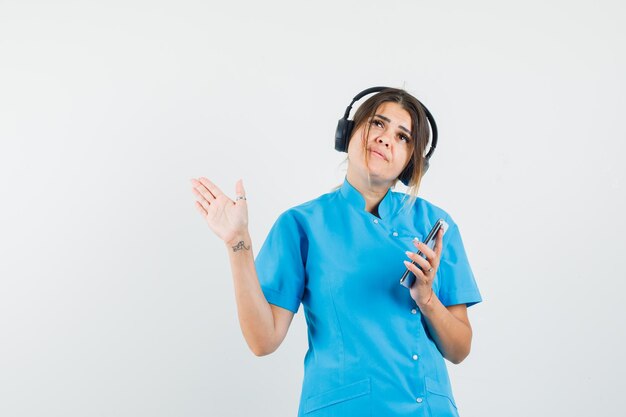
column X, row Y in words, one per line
column 408, row 278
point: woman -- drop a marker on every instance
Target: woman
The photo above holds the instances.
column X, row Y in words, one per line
column 375, row 348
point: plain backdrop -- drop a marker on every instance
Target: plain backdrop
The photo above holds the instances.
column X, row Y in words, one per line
column 117, row 300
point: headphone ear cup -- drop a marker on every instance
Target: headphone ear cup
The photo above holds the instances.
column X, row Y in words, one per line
column 425, row 166
column 406, row 175
column 342, row 134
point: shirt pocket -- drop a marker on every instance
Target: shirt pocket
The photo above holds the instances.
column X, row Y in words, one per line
column 440, row 400
column 349, row 400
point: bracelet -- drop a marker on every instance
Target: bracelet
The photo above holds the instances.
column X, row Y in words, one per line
column 431, row 295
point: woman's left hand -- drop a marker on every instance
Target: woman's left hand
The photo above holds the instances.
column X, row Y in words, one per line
column 422, row 289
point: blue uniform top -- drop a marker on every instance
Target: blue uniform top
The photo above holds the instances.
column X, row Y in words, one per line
column 370, row 352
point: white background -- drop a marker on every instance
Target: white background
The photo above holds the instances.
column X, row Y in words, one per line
column 117, row 300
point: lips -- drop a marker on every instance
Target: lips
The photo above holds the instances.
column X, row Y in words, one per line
column 375, row 152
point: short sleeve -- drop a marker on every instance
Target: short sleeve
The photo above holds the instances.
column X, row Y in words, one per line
column 457, row 284
column 280, row 264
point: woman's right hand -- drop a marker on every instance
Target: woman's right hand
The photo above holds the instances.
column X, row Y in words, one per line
column 228, row 219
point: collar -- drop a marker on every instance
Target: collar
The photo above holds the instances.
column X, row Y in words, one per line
column 387, row 205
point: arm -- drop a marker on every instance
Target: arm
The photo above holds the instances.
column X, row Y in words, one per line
column 449, row 326
column 264, row 325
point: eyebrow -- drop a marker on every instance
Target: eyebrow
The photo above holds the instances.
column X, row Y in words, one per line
column 388, row 120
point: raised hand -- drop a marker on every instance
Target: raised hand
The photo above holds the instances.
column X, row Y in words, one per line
column 228, row 219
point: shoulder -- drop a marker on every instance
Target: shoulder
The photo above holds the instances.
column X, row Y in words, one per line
column 306, row 217
column 312, row 209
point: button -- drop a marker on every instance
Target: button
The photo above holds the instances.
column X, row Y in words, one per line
column 376, row 221
column 395, row 233
column 415, row 357
column 414, row 311
column 419, row 399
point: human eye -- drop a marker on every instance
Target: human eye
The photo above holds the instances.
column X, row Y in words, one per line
column 377, row 123
column 405, row 138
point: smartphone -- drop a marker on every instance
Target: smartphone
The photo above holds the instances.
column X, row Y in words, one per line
column 408, row 278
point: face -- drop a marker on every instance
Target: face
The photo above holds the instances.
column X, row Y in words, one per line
column 388, row 144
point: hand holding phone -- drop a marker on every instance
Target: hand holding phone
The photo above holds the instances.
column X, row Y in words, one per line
column 408, row 278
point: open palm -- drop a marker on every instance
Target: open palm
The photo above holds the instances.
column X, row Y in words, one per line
column 225, row 217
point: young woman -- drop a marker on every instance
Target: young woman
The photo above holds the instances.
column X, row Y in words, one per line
column 376, row 348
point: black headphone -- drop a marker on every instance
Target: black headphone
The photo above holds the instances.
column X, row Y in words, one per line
column 345, row 126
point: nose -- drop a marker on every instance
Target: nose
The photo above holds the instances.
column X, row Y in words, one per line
column 383, row 139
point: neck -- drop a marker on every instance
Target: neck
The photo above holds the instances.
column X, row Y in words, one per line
column 372, row 193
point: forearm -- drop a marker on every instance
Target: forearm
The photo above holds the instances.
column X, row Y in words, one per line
column 452, row 336
column 255, row 314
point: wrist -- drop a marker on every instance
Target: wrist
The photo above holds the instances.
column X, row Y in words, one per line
column 238, row 240
column 429, row 301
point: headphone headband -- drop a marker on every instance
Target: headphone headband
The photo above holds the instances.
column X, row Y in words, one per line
column 361, row 95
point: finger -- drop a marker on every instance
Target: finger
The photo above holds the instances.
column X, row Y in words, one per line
column 202, row 188
column 428, row 252
column 205, row 203
column 418, row 259
column 439, row 245
column 435, row 253
column 212, row 188
column 419, row 274
column 201, row 209
column 239, row 190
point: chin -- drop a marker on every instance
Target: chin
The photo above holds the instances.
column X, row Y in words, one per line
column 375, row 176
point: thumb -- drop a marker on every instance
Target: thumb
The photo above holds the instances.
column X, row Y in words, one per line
column 239, row 191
